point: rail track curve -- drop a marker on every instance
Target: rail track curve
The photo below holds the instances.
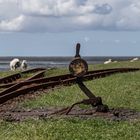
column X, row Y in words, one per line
column 36, row 83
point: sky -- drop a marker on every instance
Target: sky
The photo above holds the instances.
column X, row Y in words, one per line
column 53, row 27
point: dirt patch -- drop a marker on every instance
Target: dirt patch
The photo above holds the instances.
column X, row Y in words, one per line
column 13, row 103
column 10, row 111
column 113, row 114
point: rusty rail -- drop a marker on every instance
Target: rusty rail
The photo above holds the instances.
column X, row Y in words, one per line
column 33, row 70
column 16, row 76
column 66, row 76
column 51, row 82
column 37, row 75
column 11, row 85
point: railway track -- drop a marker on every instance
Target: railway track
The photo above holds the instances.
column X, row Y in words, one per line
column 31, row 85
column 35, row 76
column 17, row 76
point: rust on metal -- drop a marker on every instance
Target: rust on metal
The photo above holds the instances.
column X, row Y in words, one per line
column 88, row 76
column 25, row 87
column 78, row 67
column 37, row 75
column 78, row 73
column 33, row 70
column 10, row 78
column 14, row 77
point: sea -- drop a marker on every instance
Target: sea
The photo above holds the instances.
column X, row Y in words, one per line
column 55, row 62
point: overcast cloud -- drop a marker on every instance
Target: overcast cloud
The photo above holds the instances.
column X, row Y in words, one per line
column 69, row 15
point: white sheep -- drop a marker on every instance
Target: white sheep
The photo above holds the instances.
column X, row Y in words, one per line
column 14, row 64
column 24, row 65
column 134, row 59
column 109, row 61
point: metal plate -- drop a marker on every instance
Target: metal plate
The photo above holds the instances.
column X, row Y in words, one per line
column 78, row 67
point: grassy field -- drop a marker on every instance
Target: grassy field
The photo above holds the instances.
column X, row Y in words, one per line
column 119, row 90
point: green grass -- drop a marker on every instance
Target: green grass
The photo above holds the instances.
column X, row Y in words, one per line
column 119, row 90
column 70, row 129
column 122, row 64
column 6, row 73
column 56, row 71
column 23, row 75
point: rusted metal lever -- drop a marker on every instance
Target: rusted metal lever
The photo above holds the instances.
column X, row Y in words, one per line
column 78, row 68
column 81, row 85
column 77, row 50
column 93, row 100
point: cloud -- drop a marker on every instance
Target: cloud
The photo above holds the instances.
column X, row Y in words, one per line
column 103, row 8
column 68, row 15
column 14, row 24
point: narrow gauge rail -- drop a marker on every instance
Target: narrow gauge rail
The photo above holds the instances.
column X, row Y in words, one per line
column 35, row 76
column 51, row 82
column 16, row 76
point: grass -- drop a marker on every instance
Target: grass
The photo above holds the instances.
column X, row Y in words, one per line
column 6, row 73
column 69, row 129
column 119, row 90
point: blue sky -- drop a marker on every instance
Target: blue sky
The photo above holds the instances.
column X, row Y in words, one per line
column 53, row 27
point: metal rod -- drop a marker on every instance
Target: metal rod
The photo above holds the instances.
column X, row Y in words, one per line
column 87, row 92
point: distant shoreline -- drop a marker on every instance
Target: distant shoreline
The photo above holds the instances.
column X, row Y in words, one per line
column 57, row 61
column 67, row 58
